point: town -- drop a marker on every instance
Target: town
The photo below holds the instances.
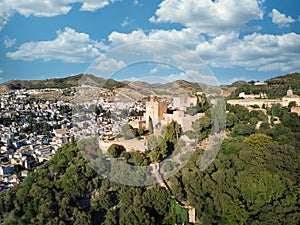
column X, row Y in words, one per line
column 33, row 128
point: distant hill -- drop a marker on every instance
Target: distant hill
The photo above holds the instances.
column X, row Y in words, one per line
column 40, row 84
column 238, row 83
column 141, row 89
column 276, row 87
column 292, row 79
column 67, row 82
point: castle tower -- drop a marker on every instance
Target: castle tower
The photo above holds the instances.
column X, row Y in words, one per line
column 154, row 110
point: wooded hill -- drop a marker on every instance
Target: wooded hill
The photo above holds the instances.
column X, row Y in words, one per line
column 253, row 180
column 276, row 87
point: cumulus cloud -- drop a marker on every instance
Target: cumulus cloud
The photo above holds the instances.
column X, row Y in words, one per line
column 154, row 70
column 127, row 21
column 69, row 46
column 189, row 75
column 281, row 19
column 184, row 37
column 9, row 42
column 46, row 8
column 210, row 17
column 5, row 14
column 262, row 52
column 117, row 38
column 93, row 5
column 106, row 66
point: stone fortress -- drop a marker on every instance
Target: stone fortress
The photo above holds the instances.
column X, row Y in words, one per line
column 161, row 113
column 157, row 111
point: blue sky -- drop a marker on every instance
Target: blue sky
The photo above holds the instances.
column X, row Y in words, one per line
column 236, row 39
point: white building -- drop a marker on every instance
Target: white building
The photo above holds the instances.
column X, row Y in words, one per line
column 290, row 97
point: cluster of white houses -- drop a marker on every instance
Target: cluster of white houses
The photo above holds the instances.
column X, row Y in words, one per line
column 21, row 147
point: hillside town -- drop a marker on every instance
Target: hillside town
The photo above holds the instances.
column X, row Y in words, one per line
column 32, row 129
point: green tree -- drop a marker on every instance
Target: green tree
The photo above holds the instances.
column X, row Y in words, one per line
column 128, row 132
column 150, row 125
column 258, row 141
column 116, row 150
column 231, row 120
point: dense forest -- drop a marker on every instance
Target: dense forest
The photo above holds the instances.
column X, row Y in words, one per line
column 275, row 88
column 254, row 180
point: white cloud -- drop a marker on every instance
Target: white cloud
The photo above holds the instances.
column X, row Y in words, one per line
column 9, row 42
column 93, row 5
column 281, row 19
column 127, row 21
column 45, row 8
column 101, row 46
column 117, row 38
column 5, row 14
column 69, row 46
column 189, row 75
column 148, row 79
column 262, row 52
column 154, row 70
column 135, row 2
column 105, row 66
column 184, row 37
column 1, row 71
column 210, row 17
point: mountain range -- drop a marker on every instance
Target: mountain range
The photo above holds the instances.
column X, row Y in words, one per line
column 277, row 84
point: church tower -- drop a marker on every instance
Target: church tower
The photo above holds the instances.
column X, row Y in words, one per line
column 289, row 92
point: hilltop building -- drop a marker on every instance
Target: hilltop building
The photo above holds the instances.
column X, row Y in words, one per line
column 290, row 97
column 251, row 102
column 260, row 95
column 155, row 110
column 260, row 83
